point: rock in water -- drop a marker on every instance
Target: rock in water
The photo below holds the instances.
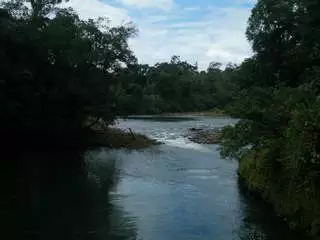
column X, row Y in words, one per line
column 204, row 136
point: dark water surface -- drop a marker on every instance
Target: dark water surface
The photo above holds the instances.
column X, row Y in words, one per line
column 179, row 190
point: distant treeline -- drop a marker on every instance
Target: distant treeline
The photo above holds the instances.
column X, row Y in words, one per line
column 174, row 86
column 60, row 74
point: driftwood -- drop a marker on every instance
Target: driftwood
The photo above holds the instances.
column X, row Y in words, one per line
column 132, row 134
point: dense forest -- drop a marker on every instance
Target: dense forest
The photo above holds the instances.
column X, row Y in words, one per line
column 60, row 73
column 56, row 72
column 174, row 86
column 278, row 139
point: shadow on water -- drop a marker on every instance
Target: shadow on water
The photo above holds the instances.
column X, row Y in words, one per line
column 73, row 196
column 61, row 196
column 259, row 221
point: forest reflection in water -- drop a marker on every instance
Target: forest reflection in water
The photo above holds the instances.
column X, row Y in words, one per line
column 72, row 195
column 61, row 196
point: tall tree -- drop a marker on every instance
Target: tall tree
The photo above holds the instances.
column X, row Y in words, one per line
column 58, row 76
column 277, row 99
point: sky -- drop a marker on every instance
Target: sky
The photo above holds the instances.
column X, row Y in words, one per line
column 199, row 31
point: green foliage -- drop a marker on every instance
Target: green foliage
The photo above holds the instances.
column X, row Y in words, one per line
column 277, row 142
column 60, row 73
column 56, row 76
column 174, row 86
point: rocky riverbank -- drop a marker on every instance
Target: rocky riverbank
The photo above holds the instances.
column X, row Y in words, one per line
column 204, row 135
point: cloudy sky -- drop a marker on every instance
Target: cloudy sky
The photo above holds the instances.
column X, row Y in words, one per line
column 197, row 30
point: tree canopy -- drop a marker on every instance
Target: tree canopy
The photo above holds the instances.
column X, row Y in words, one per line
column 174, row 86
column 277, row 139
column 60, row 73
column 57, row 72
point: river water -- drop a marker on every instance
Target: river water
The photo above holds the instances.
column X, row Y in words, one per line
column 178, row 190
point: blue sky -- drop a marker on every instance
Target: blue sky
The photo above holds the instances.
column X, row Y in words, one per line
column 197, row 30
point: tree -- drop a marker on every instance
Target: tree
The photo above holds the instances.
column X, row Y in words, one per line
column 58, row 76
column 277, row 139
column 173, row 86
column 41, row 8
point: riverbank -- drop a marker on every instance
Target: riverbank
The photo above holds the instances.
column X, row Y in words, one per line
column 118, row 138
column 208, row 113
column 45, row 141
column 297, row 205
column 204, row 135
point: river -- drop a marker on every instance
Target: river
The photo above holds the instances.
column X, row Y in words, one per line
column 178, row 190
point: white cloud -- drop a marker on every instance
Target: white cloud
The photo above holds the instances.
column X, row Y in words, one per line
column 245, row 1
column 95, row 8
column 191, row 9
column 216, row 35
column 162, row 4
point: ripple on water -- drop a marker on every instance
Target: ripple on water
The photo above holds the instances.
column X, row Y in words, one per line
column 186, row 191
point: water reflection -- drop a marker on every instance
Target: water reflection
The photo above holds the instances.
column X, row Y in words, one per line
column 120, row 195
column 259, row 221
column 63, row 196
column 178, row 190
column 183, row 194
